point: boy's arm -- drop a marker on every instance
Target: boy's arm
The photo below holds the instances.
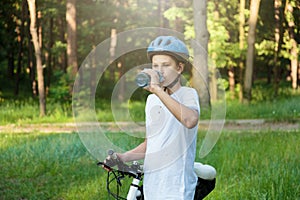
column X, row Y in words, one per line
column 187, row 116
column 137, row 153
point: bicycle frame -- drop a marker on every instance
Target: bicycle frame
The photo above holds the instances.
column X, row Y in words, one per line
column 134, row 171
column 134, row 190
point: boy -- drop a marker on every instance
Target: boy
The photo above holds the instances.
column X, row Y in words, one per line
column 172, row 113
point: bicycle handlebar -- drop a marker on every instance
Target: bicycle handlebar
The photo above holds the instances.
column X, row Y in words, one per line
column 134, row 170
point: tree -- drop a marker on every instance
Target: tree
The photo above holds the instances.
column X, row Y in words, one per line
column 254, row 9
column 293, row 43
column 278, row 15
column 94, row 21
column 241, row 46
column 71, row 38
column 201, row 54
column 38, row 56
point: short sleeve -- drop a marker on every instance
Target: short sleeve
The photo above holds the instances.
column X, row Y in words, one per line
column 189, row 97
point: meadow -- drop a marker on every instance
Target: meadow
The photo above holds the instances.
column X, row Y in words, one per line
column 250, row 165
column 24, row 111
column 260, row 165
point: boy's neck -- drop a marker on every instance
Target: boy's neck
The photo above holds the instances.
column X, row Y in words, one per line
column 173, row 89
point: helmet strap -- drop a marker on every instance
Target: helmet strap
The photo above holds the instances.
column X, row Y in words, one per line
column 173, row 82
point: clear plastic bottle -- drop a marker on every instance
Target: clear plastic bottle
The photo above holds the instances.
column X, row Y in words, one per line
column 143, row 79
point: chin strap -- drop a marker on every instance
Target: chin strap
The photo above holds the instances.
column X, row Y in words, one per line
column 173, row 82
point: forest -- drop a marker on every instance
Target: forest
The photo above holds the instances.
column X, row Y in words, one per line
column 67, row 61
column 254, row 44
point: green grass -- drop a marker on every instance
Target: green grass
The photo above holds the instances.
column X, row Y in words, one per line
column 262, row 165
column 27, row 111
column 22, row 111
column 285, row 109
column 250, row 165
column 47, row 166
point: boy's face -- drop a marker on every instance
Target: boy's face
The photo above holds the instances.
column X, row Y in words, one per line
column 168, row 67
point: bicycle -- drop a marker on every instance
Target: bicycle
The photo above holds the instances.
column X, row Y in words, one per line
column 205, row 184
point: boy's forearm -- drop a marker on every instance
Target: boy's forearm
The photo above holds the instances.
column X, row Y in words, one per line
column 188, row 117
column 137, row 153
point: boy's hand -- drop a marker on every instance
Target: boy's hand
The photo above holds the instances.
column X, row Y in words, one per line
column 154, row 85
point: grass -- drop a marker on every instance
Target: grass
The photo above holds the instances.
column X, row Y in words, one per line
column 250, row 165
column 285, row 109
column 27, row 111
column 22, row 111
column 262, row 165
column 47, row 166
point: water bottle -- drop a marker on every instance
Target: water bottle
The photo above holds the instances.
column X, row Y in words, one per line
column 143, row 79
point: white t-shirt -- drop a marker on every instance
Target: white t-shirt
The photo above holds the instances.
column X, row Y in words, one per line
column 171, row 147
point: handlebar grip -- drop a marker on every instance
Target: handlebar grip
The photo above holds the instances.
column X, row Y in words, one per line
column 112, row 154
column 104, row 165
column 113, row 160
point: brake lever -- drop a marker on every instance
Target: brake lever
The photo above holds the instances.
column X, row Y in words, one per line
column 104, row 165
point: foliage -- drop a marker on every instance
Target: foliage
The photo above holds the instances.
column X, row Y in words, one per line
column 96, row 19
column 60, row 92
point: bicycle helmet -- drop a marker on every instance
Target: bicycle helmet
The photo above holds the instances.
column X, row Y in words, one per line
column 169, row 45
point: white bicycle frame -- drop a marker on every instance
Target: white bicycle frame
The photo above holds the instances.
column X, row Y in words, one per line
column 133, row 192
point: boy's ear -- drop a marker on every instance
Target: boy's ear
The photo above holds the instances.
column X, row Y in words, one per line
column 180, row 67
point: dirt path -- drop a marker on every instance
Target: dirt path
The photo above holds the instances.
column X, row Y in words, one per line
column 230, row 125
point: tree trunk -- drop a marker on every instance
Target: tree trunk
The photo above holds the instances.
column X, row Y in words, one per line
column 62, row 59
column 30, row 64
column 112, row 52
column 48, row 55
column 71, row 38
column 200, row 70
column 241, row 47
column 38, row 55
column 213, row 69
column 231, row 81
column 30, row 60
column 162, row 7
column 213, row 83
column 121, row 66
column 294, row 45
column 254, row 9
column 39, row 28
column 278, row 43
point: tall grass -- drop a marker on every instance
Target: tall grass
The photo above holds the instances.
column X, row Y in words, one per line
column 262, row 165
column 51, row 166
column 285, row 109
column 22, row 111
column 27, row 111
